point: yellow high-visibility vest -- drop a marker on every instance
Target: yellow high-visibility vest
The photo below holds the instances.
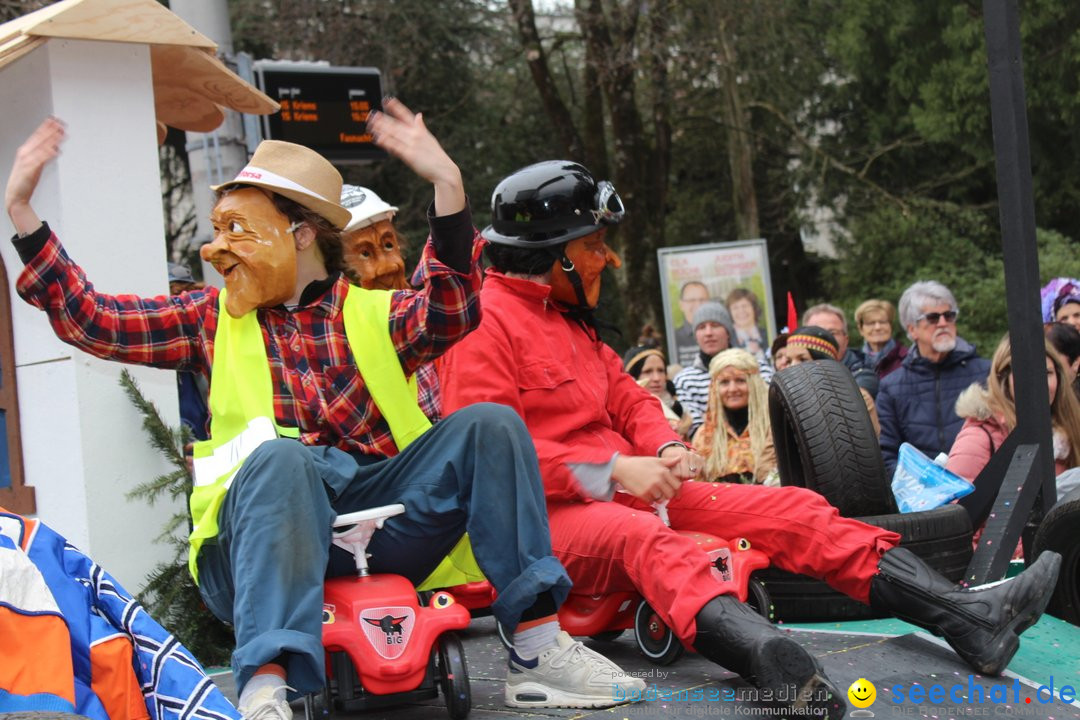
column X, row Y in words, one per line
column 242, row 413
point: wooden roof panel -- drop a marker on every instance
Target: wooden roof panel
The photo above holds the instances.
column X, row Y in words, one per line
column 191, row 85
column 135, row 21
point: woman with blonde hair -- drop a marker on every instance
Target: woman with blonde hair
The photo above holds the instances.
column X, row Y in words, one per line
column 736, row 439
column 883, row 352
column 990, row 415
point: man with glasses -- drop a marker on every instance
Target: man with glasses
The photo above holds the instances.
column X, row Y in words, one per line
column 916, row 404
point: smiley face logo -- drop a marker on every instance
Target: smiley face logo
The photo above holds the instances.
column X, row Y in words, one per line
column 862, row 693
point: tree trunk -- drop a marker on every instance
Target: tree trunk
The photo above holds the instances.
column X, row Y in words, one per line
column 740, row 141
column 554, row 107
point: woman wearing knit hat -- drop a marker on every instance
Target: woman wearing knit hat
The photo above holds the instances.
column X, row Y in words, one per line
column 814, row 343
column 736, row 439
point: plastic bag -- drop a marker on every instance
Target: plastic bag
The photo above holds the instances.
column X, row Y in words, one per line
column 922, row 484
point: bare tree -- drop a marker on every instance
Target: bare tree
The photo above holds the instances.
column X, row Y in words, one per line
column 176, row 202
column 627, row 130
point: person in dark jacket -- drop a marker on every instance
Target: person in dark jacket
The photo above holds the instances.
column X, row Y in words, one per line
column 917, row 403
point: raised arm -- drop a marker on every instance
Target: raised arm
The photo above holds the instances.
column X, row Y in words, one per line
column 162, row 331
column 403, row 134
column 427, row 323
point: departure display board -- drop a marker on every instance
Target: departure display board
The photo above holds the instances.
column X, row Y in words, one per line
column 322, row 107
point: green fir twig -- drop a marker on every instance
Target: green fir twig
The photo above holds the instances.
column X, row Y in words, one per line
column 170, row 595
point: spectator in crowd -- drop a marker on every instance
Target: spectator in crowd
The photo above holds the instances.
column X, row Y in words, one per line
column 649, row 337
column 191, row 388
column 989, row 414
column 883, row 353
column 736, row 439
column 301, row 437
column 713, row 330
column 596, row 432
column 917, row 403
column 811, row 343
column 778, row 352
column 834, row 320
column 1061, row 301
column 647, row 365
column 1066, row 340
column 745, row 309
column 691, row 296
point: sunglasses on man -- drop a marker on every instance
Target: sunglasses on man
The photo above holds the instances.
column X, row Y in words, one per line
column 935, row 317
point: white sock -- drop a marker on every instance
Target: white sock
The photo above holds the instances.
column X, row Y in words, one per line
column 529, row 643
column 274, row 683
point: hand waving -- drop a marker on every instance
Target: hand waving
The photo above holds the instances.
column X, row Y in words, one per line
column 404, row 135
column 30, row 159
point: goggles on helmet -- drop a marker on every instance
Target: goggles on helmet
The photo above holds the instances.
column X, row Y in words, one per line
column 609, row 208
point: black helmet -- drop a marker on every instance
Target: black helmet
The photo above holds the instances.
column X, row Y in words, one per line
column 550, row 203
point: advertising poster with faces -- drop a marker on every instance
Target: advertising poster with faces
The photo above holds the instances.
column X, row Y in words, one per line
column 733, row 273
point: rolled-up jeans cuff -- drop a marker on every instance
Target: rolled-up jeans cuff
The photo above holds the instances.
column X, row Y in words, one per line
column 544, row 574
column 306, row 669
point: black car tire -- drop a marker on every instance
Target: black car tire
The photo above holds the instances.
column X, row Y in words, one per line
column 1060, row 531
column 824, row 438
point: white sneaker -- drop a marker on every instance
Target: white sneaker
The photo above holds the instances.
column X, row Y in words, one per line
column 570, row 676
column 265, row 705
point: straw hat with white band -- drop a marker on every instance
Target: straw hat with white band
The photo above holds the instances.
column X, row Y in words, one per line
column 298, row 173
column 366, row 207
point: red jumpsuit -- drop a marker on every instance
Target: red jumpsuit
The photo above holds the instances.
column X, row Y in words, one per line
column 580, row 407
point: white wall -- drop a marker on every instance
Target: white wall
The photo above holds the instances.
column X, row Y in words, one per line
column 83, row 443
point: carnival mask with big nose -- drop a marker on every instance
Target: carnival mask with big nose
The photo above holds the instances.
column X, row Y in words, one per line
column 374, row 254
column 253, row 249
column 589, row 256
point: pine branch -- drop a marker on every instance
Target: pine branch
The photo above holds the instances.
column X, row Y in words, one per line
column 170, row 595
column 162, row 437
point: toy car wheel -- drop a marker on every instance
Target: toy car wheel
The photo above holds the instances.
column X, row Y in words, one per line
column 1058, row 532
column 317, row 705
column 453, row 677
column 607, row 636
column 759, row 599
column 654, row 638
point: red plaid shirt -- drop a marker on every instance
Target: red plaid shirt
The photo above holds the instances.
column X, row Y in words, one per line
column 317, row 387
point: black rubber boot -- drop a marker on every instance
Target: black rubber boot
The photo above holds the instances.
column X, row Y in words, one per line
column 982, row 624
column 731, row 634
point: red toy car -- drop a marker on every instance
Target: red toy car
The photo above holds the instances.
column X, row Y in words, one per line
column 605, row 617
column 382, row 646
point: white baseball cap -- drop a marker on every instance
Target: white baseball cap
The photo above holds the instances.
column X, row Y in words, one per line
column 365, row 206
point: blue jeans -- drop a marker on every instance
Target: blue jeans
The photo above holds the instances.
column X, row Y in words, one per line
column 474, row 471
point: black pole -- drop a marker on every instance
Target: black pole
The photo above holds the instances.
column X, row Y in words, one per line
column 1020, row 255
